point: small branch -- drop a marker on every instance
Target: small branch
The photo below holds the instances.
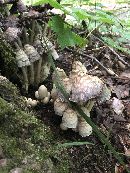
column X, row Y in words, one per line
column 117, row 55
column 95, row 59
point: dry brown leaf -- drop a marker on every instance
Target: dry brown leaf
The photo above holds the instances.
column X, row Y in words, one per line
column 117, row 106
column 121, row 91
column 119, row 168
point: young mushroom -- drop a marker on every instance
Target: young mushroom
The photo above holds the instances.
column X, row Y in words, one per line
column 31, row 102
column 42, row 94
column 84, row 128
column 60, row 107
column 70, row 118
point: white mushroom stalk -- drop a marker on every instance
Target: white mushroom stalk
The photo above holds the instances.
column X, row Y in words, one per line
column 33, row 56
column 23, row 62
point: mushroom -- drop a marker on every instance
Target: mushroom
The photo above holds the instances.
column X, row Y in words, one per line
column 60, row 107
column 85, row 88
column 48, row 46
column 23, row 61
column 31, row 102
column 33, row 56
column 54, row 93
column 46, row 99
column 70, row 118
column 42, row 94
column 84, row 128
column 78, row 69
column 11, row 34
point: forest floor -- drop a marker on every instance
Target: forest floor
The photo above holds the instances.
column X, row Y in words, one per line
column 96, row 158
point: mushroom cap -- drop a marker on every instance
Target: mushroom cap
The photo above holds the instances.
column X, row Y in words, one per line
column 22, row 58
column 70, row 118
column 84, row 128
column 42, row 92
column 31, row 102
column 61, row 73
column 46, row 44
column 85, row 88
column 12, row 33
column 78, row 69
column 37, row 95
column 31, row 52
column 67, row 86
column 60, row 107
column 63, row 127
column 45, row 100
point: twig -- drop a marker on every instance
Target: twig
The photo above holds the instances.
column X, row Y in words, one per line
column 117, row 55
column 95, row 59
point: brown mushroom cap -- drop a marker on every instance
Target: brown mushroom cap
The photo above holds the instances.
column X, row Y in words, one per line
column 85, row 88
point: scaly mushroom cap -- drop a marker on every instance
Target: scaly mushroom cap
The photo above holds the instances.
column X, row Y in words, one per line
column 78, row 69
column 22, row 58
column 84, row 128
column 12, row 33
column 70, row 118
column 60, row 107
column 46, row 44
column 61, row 73
column 32, row 53
column 42, row 92
column 67, row 86
column 85, row 87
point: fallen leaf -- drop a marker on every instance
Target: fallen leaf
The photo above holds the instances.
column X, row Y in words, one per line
column 117, row 106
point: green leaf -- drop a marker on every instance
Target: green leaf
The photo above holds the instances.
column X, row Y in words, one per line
column 64, row 34
column 70, row 144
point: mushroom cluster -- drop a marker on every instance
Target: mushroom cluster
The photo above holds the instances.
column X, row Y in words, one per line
column 29, row 39
column 42, row 96
column 82, row 89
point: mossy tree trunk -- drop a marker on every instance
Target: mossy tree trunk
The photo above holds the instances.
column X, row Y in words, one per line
column 26, row 142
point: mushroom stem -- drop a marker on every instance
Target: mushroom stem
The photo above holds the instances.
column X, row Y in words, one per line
column 24, row 71
column 32, row 73
column 90, row 105
column 19, row 43
column 26, row 36
column 39, row 65
column 32, row 31
column 25, row 76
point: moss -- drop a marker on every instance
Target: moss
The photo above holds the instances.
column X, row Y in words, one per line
column 8, row 63
column 22, row 136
